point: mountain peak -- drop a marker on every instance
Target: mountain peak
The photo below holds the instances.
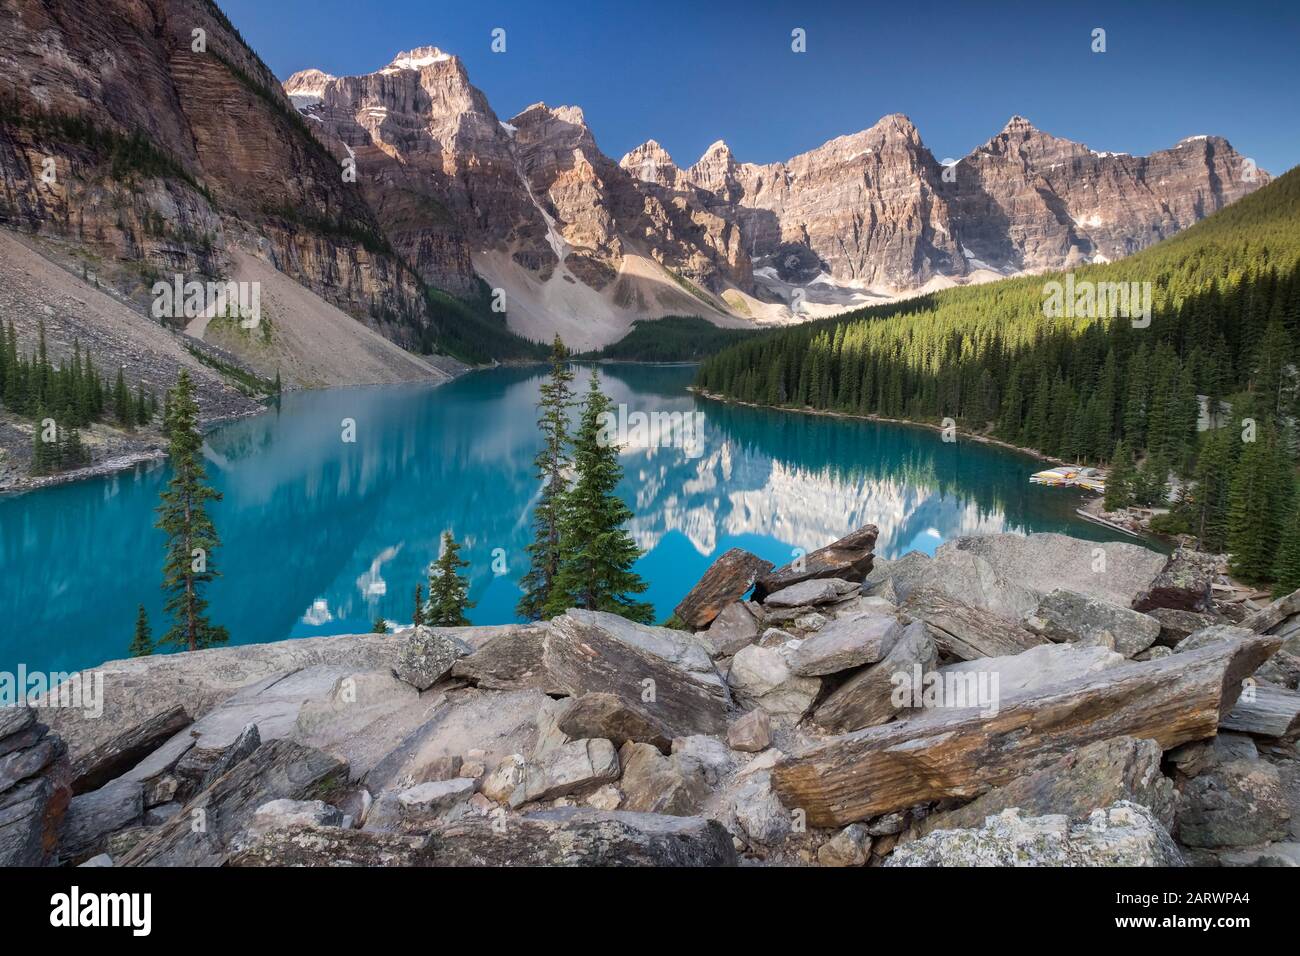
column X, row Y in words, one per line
column 1018, row 124
column 416, row 59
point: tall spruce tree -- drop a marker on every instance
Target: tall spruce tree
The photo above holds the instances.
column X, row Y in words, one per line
column 551, row 462
column 417, row 615
column 1119, row 481
column 448, row 590
column 142, row 643
column 191, row 535
column 1257, row 499
column 1286, row 569
column 598, row 553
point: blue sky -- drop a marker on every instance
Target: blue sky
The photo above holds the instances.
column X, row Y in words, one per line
column 687, row 74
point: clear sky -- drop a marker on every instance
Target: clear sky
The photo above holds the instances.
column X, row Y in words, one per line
column 687, row 74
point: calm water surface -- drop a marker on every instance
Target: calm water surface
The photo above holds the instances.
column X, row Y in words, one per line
column 321, row 536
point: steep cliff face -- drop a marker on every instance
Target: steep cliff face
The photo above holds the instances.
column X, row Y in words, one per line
column 1027, row 200
column 169, row 147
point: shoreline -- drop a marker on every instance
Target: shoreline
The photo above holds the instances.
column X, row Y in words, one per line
column 806, row 410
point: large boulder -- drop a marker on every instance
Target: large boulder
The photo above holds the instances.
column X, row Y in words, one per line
column 1184, row 583
column 1237, row 803
column 763, row 677
column 846, row 643
column 1124, row 834
column 306, row 845
column 427, row 656
column 1037, row 668
column 574, row 768
column 725, row 582
column 1040, row 563
column 133, row 742
column 653, row 783
column 868, row 697
column 849, row 559
column 93, row 817
column 1098, row 775
column 965, row 631
column 582, row 837
column 812, row 593
column 1070, row 616
column 608, row 716
column 734, row 627
column 35, row 778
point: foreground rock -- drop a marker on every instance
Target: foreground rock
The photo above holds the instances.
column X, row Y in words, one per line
column 35, row 790
column 846, row 643
column 1098, row 775
column 1070, row 616
column 1125, row 834
column 1184, row 584
column 201, row 836
column 849, row 559
column 579, row 837
column 868, row 697
column 869, row 772
column 1238, row 803
column 964, row 631
column 725, row 582
column 1266, row 711
column 427, row 656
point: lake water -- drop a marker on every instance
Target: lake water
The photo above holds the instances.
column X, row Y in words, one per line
column 321, row 535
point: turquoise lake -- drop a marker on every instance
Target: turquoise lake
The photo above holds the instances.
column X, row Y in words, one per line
column 319, row 536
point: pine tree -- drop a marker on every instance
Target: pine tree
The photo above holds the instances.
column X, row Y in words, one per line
column 551, row 462
column 183, row 517
column 448, row 591
column 1286, row 569
column 142, row 643
column 417, row 616
column 380, row 626
column 1254, row 512
column 1119, row 482
column 123, row 410
column 1212, row 479
column 598, row 553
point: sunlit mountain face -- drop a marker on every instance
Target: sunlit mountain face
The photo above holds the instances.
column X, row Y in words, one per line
column 321, row 534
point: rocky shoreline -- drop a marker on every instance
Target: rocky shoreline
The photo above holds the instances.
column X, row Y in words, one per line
column 1035, row 700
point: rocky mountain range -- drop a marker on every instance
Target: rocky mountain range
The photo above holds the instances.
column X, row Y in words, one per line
column 142, row 138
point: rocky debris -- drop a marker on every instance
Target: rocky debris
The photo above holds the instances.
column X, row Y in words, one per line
column 93, row 817
column 574, row 768
column 242, row 748
column 1070, row 616
column 1265, row 711
column 502, row 782
column 440, row 768
column 653, row 783
column 735, row 627
column 846, row 643
column 328, row 846
column 763, row 677
column 584, row 837
column 811, row 593
column 1035, row 669
column 868, row 697
column 758, row 811
column 1183, row 584
column 1207, row 636
column 1237, row 803
column 711, row 755
column 126, row 748
column 1098, row 775
column 509, row 660
column 427, row 656
column 850, row 847
column 966, row 632
column 724, row 583
column 436, row 802
column 868, row 772
column 751, row 733
column 1282, row 618
column 964, row 578
column 612, row 718
column 1176, row 624
column 1153, row 653
column 1124, row 834
column 202, row 834
column 848, row 559
column 279, row 814
column 35, row 789
column 592, row 651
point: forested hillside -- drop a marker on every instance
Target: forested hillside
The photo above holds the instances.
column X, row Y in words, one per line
column 1225, row 324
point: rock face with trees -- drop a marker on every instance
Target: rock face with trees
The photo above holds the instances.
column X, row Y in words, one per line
column 831, row 721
